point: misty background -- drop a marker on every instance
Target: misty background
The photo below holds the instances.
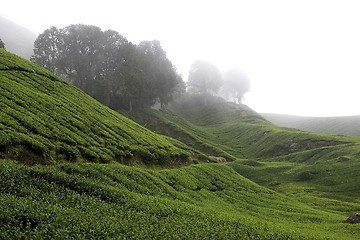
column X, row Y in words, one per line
column 302, row 58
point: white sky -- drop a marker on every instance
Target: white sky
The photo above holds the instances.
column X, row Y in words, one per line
column 302, row 56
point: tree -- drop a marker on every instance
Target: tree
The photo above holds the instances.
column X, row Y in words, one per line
column 107, row 67
column 114, row 61
column 204, row 78
column 80, row 54
column 47, row 49
column 236, row 84
column 162, row 78
column 2, row 44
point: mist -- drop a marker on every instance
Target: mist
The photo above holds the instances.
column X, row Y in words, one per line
column 301, row 57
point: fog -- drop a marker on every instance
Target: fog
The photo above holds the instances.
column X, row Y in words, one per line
column 302, row 57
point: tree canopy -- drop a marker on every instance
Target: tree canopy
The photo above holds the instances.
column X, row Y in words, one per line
column 204, row 78
column 236, row 84
column 108, row 67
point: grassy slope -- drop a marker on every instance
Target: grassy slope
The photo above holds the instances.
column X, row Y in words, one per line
column 239, row 132
column 317, row 169
column 170, row 124
column 211, row 201
column 333, row 125
column 43, row 119
column 277, row 157
column 87, row 200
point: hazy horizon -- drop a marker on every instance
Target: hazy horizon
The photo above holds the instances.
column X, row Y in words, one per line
column 302, row 58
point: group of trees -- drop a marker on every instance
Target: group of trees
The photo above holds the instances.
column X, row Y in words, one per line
column 108, row 67
column 206, row 79
column 123, row 75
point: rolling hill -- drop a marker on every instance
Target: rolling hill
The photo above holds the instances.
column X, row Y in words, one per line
column 347, row 125
column 235, row 131
column 268, row 182
column 43, row 119
column 97, row 201
column 286, row 160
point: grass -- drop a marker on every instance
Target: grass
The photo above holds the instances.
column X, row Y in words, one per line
column 236, row 132
column 320, row 159
column 44, row 120
column 317, row 169
column 276, row 183
column 208, row 201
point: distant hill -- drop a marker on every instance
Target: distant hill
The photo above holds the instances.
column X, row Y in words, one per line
column 332, row 125
column 232, row 131
column 17, row 39
column 43, row 119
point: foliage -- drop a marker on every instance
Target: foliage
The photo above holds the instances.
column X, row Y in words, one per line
column 43, row 119
column 108, row 67
column 47, row 45
column 283, row 184
column 204, row 78
column 236, row 84
column 316, row 169
column 94, row 201
column 242, row 133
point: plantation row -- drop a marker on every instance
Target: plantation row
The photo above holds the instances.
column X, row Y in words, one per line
column 44, row 118
column 87, row 201
column 308, row 183
column 236, row 132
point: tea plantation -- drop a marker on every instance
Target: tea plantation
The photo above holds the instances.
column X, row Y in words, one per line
column 45, row 120
column 63, row 172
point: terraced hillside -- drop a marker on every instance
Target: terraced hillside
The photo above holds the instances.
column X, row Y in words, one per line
column 287, row 160
column 237, row 132
column 82, row 192
column 97, row 201
column 317, row 169
column 43, row 119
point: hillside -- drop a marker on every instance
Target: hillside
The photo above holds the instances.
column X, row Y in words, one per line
column 349, row 125
column 17, row 39
column 317, row 168
column 97, row 201
column 43, row 120
column 287, row 160
column 235, row 131
column 60, row 176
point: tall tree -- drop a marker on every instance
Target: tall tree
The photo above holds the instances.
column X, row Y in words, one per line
column 47, row 49
column 2, row 44
column 162, row 76
column 80, row 56
column 236, row 84
column 108, row 67
column 204, row 78
column 113, row 62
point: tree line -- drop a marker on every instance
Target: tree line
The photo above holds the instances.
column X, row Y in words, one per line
column 205, row 79
column 108, row 67
column 125, row 76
